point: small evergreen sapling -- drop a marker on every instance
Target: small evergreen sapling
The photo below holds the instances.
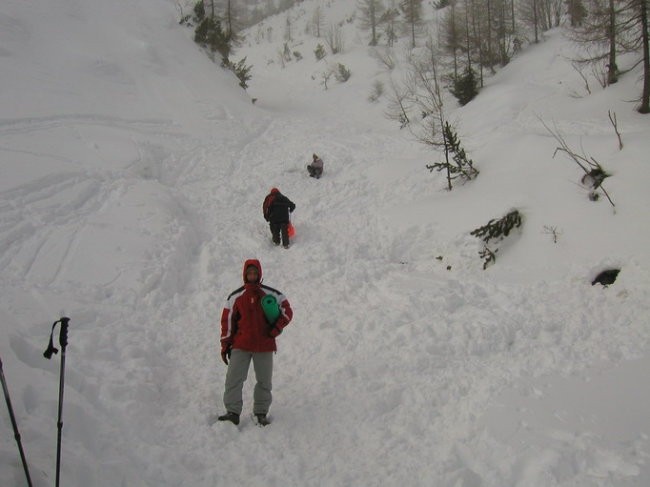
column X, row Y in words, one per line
column 459, row 165
column 242, row 72
column 320, row 52
column 342, row 73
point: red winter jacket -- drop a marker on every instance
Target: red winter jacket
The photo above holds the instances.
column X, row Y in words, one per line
column 243, row 324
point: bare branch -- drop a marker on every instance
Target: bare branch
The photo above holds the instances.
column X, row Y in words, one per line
column 612, row 118
column 578, row 68
column 398, row 105
column 553, row 232
column 384, row 57
column 594, row 172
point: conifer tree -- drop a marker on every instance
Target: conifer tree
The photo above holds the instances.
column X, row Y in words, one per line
column 412, row 11
column 577, row 12
column 199, row 11
column 599, row 32
column 389, row 21
column 232, row 22
column 465, row 87
column 612, row 28
column 371, row 12
column 318, row 21
column 210, row 35
column 456, row 164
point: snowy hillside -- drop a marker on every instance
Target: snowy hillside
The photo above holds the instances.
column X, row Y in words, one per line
column 133, row 171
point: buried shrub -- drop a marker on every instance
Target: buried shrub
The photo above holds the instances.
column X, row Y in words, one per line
column 342, row 73
column 496, row 230
column 594, row 175
column 606, row 277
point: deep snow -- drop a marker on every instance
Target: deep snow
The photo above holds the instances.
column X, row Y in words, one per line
column 132, row 176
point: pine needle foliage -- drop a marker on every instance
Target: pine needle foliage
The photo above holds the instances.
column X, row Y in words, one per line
column 320, row 52
column 456, row 163
column 209, row 34
column 465, row 87
column 342, row 73
column 496, row 230
column 242, row 71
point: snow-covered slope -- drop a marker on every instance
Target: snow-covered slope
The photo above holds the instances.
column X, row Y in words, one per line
column 133, row 171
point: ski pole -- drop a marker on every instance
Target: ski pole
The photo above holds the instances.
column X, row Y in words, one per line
column 63, row 341
column 15, row 425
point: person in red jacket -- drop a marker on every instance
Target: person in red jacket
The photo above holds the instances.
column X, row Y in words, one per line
column 247, row 335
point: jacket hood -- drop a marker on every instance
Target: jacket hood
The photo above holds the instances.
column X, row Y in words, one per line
column 255, row 263
column 274, row 190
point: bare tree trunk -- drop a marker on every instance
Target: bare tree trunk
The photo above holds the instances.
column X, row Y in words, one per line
column 229, row 20
column 612, row 76
column 446, row 142
column 478, row 41
column 317, row 20
column 645, row 97
column 501, row 35
column 489, row 36
column 451, row 36
column 535, row 20
column 374, row 31
column 413, row 34
column 467, row 36
column 455, row 37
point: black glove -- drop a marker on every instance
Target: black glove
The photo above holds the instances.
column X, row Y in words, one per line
column 225, row 354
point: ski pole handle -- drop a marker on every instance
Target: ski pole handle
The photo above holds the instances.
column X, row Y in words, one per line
column 63, row 338
column 63, row 334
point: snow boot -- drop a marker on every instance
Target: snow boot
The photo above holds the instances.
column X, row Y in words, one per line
column 232, row 417
column 262, row 420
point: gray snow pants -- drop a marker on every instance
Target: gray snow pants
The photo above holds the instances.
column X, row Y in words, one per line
column 240, row 361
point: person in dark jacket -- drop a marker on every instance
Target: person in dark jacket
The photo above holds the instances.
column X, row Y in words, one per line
column 247, row 335
column 277, row 208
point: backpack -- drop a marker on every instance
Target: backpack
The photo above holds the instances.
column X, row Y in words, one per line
column 266, row 206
